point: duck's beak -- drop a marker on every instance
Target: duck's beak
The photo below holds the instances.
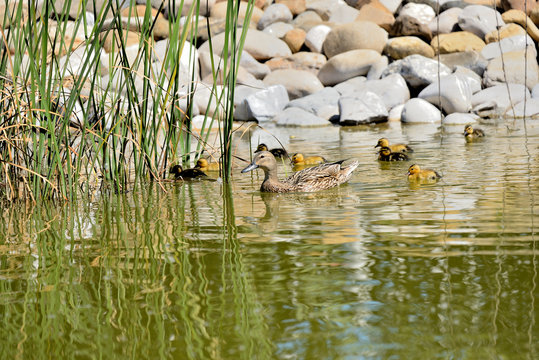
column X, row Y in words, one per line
column 251, row 167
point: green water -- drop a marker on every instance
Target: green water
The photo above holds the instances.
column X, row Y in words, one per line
column 376, row 269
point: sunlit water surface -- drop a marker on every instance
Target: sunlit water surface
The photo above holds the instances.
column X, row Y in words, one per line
column 376, row 269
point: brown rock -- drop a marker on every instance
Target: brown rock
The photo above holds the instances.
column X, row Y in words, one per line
column 505, row 31
column 353, row 36
column 296, row 6
column 408, row 26
column 518, row 17
column 295, row 39
column 161, row 27
column 522, row 5
column 378, row 14
column 112, row 37
column 307, row 20
column 403, row 46
column 299, row 61
column 457, row 42
column 219, row 11
column 534, row 15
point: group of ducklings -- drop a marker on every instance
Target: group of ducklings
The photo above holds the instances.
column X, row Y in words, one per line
column 322, row 176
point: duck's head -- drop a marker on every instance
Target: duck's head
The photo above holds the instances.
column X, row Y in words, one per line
column 382, row 142
column 385, row 151
column 175, row 169
column 261, row 147
column 201, row 163
column 264, row 160
column 468, row 129
column 297, row 158
column 414, row 169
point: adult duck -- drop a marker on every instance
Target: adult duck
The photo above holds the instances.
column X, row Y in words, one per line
column 188, row 174
column 385, row 154
column 321, row 177
column 277, row 152
column 383, row 142
column 299, row 159
column 470, row 133
column 416, row 174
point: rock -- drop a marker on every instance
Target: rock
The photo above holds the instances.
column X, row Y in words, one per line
column 494, row 101
column 518, row 17
column 343, row 14
column 307, row 20
column 298, row 83
column 264, row 104
column 420, row 111
column 376, row 70
column 260, row 45
column 508, row 30
column 323, row 104
column 349, row 86
column 446, row 21
column 219, row 11
column 528, row 108
column 324, row 8
column 366, row 108
column 403, row 46
column 417, row 70
column 294, row 116
column 278, row 29
column 315, row 38
column 111, row 40
column 299, row 61
column 458, row 41
column 460, row 119
column 535, row 91
column 250, row 64
column 395, row 113
column 421, row 12
column 534, row 15
column 274, row 13
column 473, row 79
column 296, row 7
column 347, row 65
column 353, row 36
column 513, row 43
column 454, row 93
column 378, row 14
column 295, row 39
column 243, row 77
column 173, row 8
column 521, row 5
column 406, row 25
column 480, row 20
column 206, row 99
column 469, row 59
column 160, row 24
column 391, row 5
column 515, row 67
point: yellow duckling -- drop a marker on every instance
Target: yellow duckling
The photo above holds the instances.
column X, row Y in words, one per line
column 427, row 175
column 277, row 152
column 204, row 165
column 321, row 177
column 385, row 154
column 470, row 133
column 383, row 142
column 299, row 159
column 180, row 174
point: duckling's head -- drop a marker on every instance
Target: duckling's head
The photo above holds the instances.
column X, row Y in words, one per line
column 468, row 129
column 297, row 158
column 175, row 169
column 382, row 142
column 264, row 160
column 201, row 163
column 261, row 147
column 385, row 151
column 414, row 169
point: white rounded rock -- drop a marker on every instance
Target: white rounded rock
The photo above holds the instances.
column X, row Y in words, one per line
column 420, row 111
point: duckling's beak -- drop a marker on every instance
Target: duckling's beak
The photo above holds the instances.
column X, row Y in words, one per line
column 408, row 173
column 251, row 167
column 377, row 145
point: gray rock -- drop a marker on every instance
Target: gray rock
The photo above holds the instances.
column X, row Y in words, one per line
column 391, row 5
column 278, row 29
column 353, row 36
column 366, row 108
column 315, row 37
column 347, row 65
column 376, row 70
column 323, row 103
column 420, row 111
column 480, row 20
column 324, row 8
column 349, row 86
column 468, row 59
column 307, row 19
column 514, row 67
column 535, row 91
column 417, row 70
column 274, row 13
column 298, row 83
column 395, row 113
column 513, row 43
column 250, row 64
column 294, row 116
column 473, row 79
column 528, row 108
column 494, row 101
column 172, row 8
column 445, row 22
column 454, row 93
column 457, row 118
column 392, row 90
column 421, row 12
column 207, row 98
column 263, row 105
column 342, row 14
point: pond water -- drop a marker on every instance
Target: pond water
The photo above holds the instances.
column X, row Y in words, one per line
column 375, row 269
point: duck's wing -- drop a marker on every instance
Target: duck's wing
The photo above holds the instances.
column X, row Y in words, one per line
column 322, row 176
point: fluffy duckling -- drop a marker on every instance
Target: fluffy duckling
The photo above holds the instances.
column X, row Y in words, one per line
column 277, row 152
column 204, row 165
column 181, row 174
column 299, row 159
column 416, row 174
column 316, row 178
column 385, row 154
column 383, row 142
column 470, row 133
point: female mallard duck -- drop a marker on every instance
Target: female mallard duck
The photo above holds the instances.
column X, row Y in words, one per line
column 470, row 133
column 299, row 159
column 277, row 152
column 416, row 174
column 180, row 174
column 316, row 178
column 383, row 142
column 385, row 154
column 204, row 165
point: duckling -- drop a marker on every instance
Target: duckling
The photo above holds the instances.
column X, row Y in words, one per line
column 416, row 174
column 394, row 148
column 299, row 159
column 316, row 178
column 187, row 174
column 277, row 152
column 385, row 154
column 470, row 133
column 204, row 165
